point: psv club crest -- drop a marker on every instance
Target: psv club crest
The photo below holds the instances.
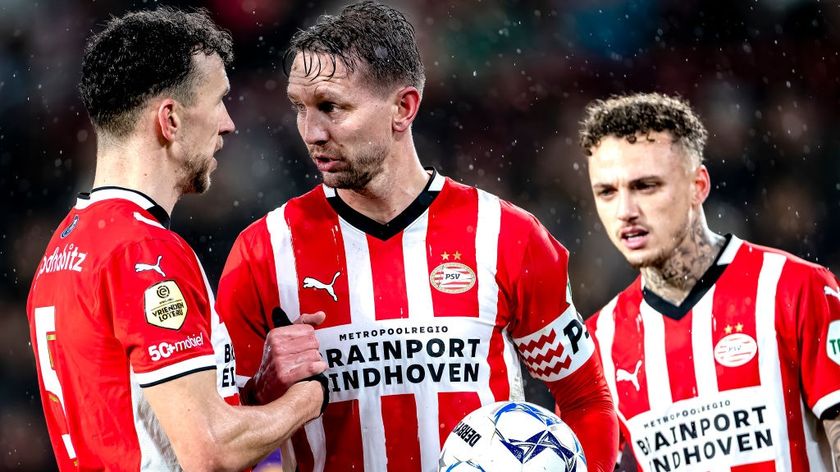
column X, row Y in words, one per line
column 452, row 277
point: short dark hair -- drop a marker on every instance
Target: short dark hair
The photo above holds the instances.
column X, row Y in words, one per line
column 368, row 32
column 142, row 54
column 627, row 116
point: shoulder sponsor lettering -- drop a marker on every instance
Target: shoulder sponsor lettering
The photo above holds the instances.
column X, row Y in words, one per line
column 67, row 258
column 164, row 350
column 832, row 341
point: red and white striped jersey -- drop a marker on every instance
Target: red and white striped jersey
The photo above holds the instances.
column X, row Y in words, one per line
column 737, row 377
column 118, row 303
column 427, row 318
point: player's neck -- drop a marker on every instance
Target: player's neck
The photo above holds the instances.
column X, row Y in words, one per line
column 677, row 275
column 392, row 191
column 129, row 164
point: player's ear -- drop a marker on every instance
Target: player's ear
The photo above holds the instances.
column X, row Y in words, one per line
column 407, row 103
column 168, row 121
column 702, row 185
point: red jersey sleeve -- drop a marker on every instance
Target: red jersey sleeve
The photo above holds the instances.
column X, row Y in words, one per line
column 160, row 309
column 818, row 336
column 556, row 347
column 247, row 295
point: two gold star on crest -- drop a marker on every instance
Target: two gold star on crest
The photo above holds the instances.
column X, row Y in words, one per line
column 738, row 327
column 456, row 256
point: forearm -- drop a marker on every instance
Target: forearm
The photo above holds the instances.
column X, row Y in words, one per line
column 832, row 431
column 256, row 431
column 208, row 434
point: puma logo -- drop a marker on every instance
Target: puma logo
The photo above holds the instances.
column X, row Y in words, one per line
column 621, row 374
column 830, row 291
column 310, row 282
column 141, row 267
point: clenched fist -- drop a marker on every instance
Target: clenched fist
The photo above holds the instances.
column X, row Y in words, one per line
column 290, row 354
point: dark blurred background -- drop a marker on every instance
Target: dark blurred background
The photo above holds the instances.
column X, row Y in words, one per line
column 507, row 82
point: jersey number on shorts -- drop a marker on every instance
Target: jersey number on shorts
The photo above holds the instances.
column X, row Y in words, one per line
column 45, row 337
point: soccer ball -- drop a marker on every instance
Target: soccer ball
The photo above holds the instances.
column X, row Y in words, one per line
column 512, row 436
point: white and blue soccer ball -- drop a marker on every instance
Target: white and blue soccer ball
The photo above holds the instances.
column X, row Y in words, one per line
column 510, row 437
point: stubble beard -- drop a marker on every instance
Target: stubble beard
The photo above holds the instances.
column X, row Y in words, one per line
column 359, row 171
column 661, row 259
column 196, row 176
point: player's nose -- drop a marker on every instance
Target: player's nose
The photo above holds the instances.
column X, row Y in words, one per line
column 313, row 129
column 627, row 208
column 226, row 126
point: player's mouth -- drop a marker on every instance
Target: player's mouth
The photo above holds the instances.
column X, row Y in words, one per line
column 326, row 163
column 634, row 237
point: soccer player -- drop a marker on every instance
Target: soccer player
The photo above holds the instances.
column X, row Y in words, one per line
column 135, row 369
column 722, row 354
column 433, row 290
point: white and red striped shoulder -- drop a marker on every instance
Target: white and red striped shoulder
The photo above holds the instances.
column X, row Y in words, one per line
column 424, row 315
column 719, row 381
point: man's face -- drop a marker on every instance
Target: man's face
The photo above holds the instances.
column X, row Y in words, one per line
column 344, row 122
column 646, row 195
column 205, row 121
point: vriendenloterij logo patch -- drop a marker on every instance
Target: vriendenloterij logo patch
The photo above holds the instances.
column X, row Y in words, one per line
column 164, row 305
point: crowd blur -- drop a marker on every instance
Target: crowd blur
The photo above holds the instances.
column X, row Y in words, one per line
column 507, row 82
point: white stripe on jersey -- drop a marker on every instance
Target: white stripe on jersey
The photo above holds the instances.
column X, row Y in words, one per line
column 287, row 284
column 420, row 308
column 656, row 363
column 605, row 329
column 417, row 289
column 156, row 451
column 729, row 252
column 486, row 255
column 825, row 402
column 317, row 440
column 143, row 219
column 705, row 370
column 437, row 183
column 817, row 450
column 109, row 193
column 284, row 262
column 362, row 303
column 194, row 363
column 221, row 342
column 768, row 350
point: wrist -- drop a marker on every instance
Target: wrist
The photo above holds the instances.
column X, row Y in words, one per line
column 248, row 393
column 325, row 389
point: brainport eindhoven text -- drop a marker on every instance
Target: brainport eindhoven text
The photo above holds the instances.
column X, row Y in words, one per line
column 711, row 433
column 400, row 361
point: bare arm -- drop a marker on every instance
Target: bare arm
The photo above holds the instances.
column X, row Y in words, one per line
column 832, row 431
column 208, row 434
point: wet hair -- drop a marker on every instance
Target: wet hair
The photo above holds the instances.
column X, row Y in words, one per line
column 628, row 116
column 367, row 36
column 143, row 54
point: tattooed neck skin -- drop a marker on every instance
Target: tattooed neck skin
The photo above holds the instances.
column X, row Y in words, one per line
column 674, row 278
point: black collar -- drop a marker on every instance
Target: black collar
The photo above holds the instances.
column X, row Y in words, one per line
column 400, row 222
column 703, row 285
column 144, row 201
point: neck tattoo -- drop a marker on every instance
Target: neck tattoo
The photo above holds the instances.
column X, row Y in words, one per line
column 678, row 274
